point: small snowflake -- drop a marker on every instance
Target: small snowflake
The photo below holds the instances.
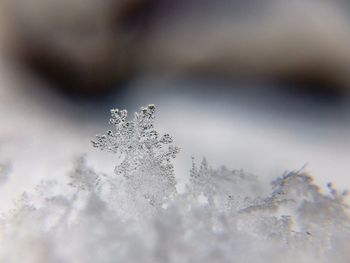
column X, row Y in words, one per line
column 145, row 154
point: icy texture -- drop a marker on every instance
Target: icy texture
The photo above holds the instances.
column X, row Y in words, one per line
column 145, row 154
column 136, row 214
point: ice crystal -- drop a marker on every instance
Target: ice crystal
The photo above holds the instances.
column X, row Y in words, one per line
column 222, row 188
column 136, row 214
column 145, row 154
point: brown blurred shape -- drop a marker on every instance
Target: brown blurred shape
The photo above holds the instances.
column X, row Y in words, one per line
column 90, row 45
column 82, row 46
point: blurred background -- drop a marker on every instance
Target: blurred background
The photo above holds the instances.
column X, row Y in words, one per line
column 258, row 85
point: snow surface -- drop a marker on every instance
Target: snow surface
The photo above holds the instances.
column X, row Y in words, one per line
column 135, row 214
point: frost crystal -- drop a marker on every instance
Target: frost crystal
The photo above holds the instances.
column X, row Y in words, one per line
column 145, row 154
column 222, row 188
column 136, row 215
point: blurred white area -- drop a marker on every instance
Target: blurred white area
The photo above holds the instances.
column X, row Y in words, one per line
column 249, row 127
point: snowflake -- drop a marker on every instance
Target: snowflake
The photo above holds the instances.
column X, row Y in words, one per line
column 145, row 154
